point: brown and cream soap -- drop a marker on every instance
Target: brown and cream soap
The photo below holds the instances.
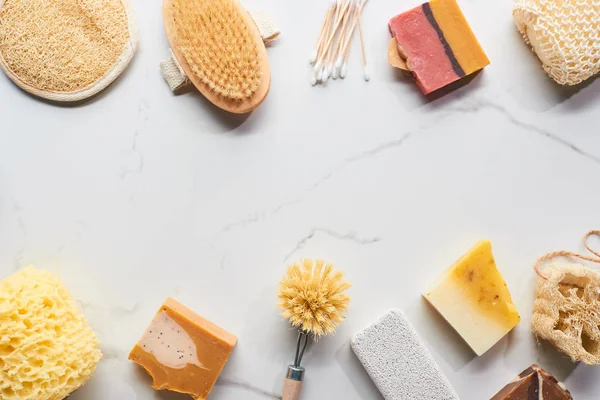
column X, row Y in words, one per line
column 182, row 351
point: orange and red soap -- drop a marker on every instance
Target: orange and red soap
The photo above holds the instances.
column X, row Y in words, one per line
column 437, row 43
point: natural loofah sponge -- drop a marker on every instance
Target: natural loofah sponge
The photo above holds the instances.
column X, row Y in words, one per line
column 564, row 34
column 65, row 50
column 47, row 349
column 566, row 311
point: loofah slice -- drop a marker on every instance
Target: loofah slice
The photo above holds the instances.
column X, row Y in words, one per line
column 566, row 311
column 565, row 35
column 220, row 49
column 65, row 50
column 47, row 349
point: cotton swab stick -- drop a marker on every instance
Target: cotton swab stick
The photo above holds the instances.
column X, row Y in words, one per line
column 346, row 45
column 367, row 73
column 336, row 55
column 316, row 73
column 324, row 29
column 326, row 68
column 335, row 28
column 349, row 39
column 328, row 33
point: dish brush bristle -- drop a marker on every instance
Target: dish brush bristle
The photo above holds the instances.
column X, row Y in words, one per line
column 312, row 297
column 218, row 45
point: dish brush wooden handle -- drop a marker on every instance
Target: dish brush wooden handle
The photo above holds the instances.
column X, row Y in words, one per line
column 293, row 383
column 291, row 389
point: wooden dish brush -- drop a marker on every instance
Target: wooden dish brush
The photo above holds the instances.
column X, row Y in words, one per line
column 312, row 297
column 219, row 48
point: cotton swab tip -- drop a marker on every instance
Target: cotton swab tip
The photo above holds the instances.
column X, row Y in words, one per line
column 367, row 73
column 324, row 75
column 317, row 67
column 336, row 72
column 313, row 78
column 344, row 71
column 339, row 62
column 313, row 56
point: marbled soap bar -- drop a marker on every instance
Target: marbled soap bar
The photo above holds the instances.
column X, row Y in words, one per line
column 437, row 43
column 182, row 351
column 473, row 297
column 536, row 384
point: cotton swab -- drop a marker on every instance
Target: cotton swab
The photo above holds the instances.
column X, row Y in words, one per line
column 367, row 73
column 348, row 40
column 336, row 27
column 330, row 56
column 336, row 57
column 324, row 29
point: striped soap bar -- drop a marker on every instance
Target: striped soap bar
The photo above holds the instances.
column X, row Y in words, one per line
column 437, row 43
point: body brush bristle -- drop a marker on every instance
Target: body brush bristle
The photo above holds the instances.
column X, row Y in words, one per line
column 218, row 45
column 312, row 297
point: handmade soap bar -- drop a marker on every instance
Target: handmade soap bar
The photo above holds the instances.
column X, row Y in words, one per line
column 437, row 43
column 534, row 383
column 182, row 351
column 473, row 297
column 397, row 360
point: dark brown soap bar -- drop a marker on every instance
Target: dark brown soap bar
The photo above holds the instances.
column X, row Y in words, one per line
column 529, row 384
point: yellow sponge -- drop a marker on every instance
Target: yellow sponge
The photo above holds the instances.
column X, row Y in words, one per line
column 47, row 349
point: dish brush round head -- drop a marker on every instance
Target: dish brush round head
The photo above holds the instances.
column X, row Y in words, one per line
column 312, row 297
column 221, row 51
column 47, row 349
column 565, row 311
column 65, row 50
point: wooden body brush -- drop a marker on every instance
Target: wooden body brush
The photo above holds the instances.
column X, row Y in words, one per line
column 312, row 297
column 221, row 51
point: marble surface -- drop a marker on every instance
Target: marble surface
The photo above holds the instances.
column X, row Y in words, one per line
column 138, row 195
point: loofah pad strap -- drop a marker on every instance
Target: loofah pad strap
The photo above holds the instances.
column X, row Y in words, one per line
column 177, row 79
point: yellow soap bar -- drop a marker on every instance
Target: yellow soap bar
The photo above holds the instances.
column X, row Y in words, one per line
column 473, row 297
column 182, row 351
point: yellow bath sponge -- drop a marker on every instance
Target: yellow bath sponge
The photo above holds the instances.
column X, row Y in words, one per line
column 47, row 349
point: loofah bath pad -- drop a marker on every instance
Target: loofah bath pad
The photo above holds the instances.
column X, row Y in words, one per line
column 218, row 46
column 65, row 50
column 47, row 349
column 564, row 34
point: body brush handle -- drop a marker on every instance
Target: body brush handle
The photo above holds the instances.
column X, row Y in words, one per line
column 293, row 383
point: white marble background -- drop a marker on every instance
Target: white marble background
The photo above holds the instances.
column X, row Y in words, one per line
column 138, row 195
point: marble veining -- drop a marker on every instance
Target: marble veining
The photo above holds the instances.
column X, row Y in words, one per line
column 140, row 194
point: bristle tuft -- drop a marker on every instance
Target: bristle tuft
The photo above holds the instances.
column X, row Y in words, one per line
column 218, row 45
column 312, row 297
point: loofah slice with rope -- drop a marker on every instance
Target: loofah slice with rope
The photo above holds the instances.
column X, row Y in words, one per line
column 565, row 35
column 218, row 46
column 566, row 311
column 65, row 50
